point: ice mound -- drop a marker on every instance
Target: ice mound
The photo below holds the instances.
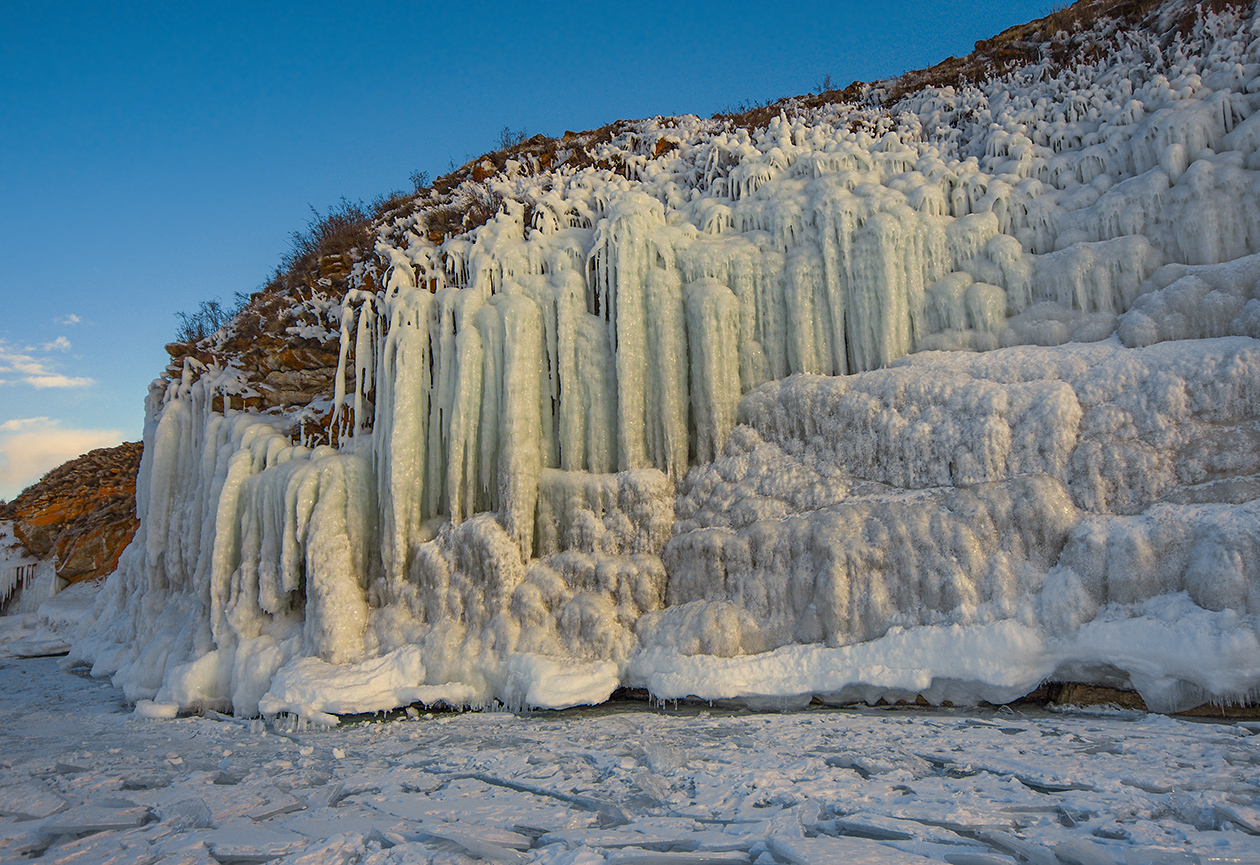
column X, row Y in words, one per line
column 959, row 505
column 1196, row 302
column 943, row 399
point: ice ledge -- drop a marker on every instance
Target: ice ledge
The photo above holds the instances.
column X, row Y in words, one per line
column 1175, row 654
column 997, row 662
column 315, row 689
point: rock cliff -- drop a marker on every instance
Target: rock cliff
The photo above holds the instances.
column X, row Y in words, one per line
column 82, row 512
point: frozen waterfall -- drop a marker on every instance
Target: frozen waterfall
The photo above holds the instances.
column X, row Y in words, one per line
column 942, row 401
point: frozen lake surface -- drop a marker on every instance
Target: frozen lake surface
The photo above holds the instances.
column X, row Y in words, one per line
column 83, row 779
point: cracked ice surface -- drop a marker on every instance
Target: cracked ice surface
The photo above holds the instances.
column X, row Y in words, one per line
column 85, row 779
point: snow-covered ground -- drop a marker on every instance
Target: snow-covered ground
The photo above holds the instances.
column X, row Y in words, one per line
column 83, row 778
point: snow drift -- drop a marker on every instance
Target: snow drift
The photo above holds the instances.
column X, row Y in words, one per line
column 942, row 400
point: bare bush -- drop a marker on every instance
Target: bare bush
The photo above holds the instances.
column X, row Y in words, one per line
column 509, row 139
column 342, row 228
column 209, row 317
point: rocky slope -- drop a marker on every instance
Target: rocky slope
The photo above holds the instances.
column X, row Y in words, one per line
column 83, row 512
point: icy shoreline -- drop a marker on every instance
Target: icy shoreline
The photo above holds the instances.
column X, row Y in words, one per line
column 81, row 775
column 1035, row 586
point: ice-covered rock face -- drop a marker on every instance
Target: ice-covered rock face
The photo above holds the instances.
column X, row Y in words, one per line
column 940, row 400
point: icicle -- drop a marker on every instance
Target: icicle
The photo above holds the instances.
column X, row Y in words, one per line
column 712, row 319
column 403, row 411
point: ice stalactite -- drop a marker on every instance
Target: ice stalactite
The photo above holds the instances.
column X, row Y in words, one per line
column 712, row 321
column 403, row 408
column 633, row 255
column 271, row 551
column 510, row 331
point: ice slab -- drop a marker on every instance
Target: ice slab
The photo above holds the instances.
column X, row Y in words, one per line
column 101, row 849
column 1245, row 817
column 344, row 848
column 324, row 796
column 1025, row 850
column 94, row 818
column 852, row 851
column 490, row 834
column 38, row 648
column 1082, row 851
column 654, row 838
column 480, row 843
column 191, row 813
column 328, row 823
column 874, row 827
column 146, row 781
column 30, row 800
column 183, row 850
column 243, row 840
column 21, row 840
column 967, row 858
column 278, row 802
column 648, row 857
column 610, row 813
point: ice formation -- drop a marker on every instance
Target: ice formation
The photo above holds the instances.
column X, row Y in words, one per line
column 944, row 400
column 25, row 581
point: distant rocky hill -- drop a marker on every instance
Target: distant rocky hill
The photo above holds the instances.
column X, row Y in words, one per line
column 83, row 512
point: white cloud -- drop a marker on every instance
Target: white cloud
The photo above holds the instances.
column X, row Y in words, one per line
column 54, row 380
column 69, row 319
column 24, row 365
column 30, row 447
column 19, row 423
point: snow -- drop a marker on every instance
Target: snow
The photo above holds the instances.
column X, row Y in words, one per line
column 84, row 779
column 942, row 401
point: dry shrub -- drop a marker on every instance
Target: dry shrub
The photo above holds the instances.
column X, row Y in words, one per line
column 209, row 317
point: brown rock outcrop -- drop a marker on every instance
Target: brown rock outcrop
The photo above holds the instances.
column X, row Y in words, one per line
column 282, row 346
column 83, row 512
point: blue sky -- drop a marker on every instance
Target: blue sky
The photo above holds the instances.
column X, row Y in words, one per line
column 156, row 155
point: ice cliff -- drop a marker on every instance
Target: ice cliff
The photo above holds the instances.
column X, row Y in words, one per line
column 941, row 396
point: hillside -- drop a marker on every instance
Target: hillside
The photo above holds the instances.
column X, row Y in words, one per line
column 283, row 343
column 937, row 387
